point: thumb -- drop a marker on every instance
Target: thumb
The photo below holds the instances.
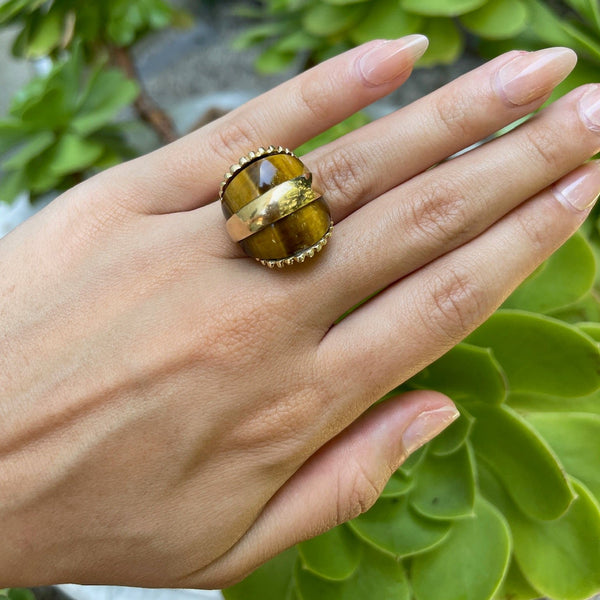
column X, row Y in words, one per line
column 342, row 479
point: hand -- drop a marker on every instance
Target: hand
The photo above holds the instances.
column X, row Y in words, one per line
column 172, row 413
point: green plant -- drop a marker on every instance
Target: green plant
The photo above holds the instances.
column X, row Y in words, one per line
column 317, row 29
column 506, row 503
column 60, row 129
column 46, row 27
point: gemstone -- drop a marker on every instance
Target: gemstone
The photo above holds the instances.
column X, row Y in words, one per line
column 290, row 235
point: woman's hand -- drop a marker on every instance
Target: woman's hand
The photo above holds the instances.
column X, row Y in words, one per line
column 174, row 414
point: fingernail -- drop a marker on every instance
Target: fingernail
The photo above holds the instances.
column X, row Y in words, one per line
column 389, row 60
column 531, row 75
column 427, row 425
column 579, row 190
column 589, row 108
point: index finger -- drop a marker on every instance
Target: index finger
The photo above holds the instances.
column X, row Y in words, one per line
column 186, row 174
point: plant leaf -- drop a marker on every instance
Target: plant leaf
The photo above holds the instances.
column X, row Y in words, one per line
column 563, row 279
column 515, row 586
column 333, row 555
column 271, row 581
column 20, row 594
column 107, row 93
column 398, row 485
column 72, row 154
column 454, row 436
column 385, row 20
column 45, row 35
column 560, row 557
column 524, row 463
column 591, row 328
column 470, row 564
column 378, row 576
column 497, row 19
column 465, row 373
column 441, row 8
column 272, row 61
column 588, row 9
column 531, row 402
column 11, row 185
column 575, row 437
column 391, row 525
column 446, row 42
column 324, row 20
column 531, row 349
column 33, row 146
column 445, row 485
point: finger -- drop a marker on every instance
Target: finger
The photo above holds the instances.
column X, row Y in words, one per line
column 339, row 482
column 187, row 173
column 447, row 206
column 373, row 159
column 366, row 163
column 414, row 321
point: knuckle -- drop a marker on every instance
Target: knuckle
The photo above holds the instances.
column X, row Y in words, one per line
column 315, row 97
column 341, row 174
column 440, row 211
column 231, row 138
column 536, row 236
column 454, row 303
column 358, row 495
column 542, row 143
column 452, row 111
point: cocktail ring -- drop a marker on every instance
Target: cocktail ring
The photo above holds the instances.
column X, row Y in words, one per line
column 272, row 210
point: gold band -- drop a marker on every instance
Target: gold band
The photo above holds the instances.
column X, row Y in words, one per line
column 279, row 202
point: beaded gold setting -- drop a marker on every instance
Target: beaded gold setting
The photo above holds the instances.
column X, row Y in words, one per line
column 272, row 208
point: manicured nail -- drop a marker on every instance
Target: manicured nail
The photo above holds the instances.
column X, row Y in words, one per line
column 532, row 75
column 427, row 425
column 389, row 60
column 589, row 108
column 579, row 190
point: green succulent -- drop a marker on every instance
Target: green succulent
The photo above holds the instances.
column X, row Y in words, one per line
column 47, row 26
column 318, row 29
column 322, row 28
column 505, row 504
column 61, row 128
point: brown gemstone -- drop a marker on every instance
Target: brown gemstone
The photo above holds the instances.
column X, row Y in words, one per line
column 290, row 235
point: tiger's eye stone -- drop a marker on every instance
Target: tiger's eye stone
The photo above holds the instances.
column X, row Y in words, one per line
column 291, row 234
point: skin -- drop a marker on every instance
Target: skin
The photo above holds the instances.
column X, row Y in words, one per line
column 172, row 414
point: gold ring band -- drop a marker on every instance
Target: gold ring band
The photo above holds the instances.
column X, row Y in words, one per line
column 272, row 208
column 278, row 202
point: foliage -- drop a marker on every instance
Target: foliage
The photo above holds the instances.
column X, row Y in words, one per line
column 505, row 504
column 317, row 29
column 47, row 26
column 60, row 128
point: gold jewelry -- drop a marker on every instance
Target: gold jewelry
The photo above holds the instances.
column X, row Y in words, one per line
column 272, row 209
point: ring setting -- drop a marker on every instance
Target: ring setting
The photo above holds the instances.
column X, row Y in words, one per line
column 272, row 208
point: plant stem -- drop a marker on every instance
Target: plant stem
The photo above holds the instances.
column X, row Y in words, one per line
column 144, row 105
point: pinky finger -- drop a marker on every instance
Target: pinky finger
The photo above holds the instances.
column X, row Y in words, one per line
column 337, row 483
column 417, row 319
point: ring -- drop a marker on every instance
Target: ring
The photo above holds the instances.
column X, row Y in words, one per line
column 272, row 209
